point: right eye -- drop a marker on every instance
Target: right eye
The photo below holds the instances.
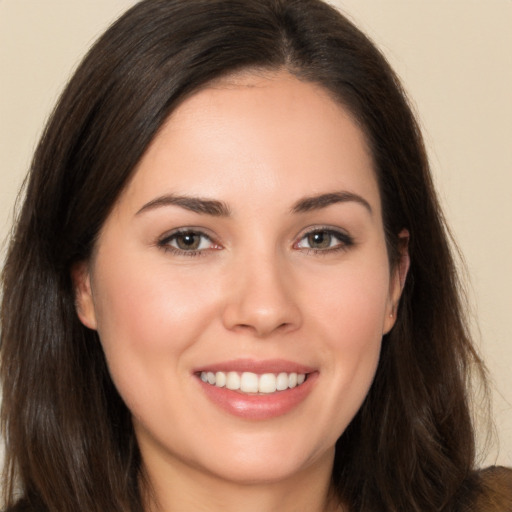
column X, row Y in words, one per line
column 188, row 242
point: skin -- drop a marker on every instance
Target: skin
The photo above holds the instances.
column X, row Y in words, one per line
column 257, row 288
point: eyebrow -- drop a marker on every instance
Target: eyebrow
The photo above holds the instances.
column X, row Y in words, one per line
column 220, row 209
column 194, row 204
column 307, row 204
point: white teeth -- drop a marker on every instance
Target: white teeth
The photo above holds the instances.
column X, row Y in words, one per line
column 282, row 382
column 267, row 383
column 249, row 382
column 220, row 379
column 233, row 381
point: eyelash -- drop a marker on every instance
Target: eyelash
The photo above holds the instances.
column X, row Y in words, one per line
column 345, row 241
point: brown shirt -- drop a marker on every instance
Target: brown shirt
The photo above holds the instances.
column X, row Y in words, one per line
column 496, row 491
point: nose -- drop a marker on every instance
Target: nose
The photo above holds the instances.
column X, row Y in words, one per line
column 262, row 298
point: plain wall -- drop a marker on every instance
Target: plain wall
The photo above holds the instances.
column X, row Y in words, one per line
column 455, row 59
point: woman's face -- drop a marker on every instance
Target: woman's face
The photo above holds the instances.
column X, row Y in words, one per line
column 248, row 250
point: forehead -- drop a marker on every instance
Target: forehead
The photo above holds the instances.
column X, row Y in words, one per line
column 257, row 130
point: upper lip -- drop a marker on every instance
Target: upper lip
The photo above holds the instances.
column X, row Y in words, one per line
column 256, row 366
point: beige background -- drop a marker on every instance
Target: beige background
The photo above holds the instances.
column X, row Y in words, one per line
column 455, row 58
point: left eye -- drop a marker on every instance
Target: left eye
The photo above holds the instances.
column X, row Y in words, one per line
column 324, row 239
column 188, row 241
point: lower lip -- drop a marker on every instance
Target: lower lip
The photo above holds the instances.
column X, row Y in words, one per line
column 259, row 406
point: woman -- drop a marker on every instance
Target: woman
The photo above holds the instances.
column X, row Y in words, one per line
column 230, row 286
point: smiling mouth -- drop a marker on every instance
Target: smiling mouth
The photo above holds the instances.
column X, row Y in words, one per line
column 252, row 383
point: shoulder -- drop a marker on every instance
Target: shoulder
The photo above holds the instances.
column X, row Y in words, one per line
column 494, row 490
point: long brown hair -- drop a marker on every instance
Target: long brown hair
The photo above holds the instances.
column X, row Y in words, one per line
column 69, row 440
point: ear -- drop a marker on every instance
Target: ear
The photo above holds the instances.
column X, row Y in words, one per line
column 397, row 281
column 84, row 304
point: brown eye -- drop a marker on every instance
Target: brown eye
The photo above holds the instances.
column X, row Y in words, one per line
column 188, row 241
column 325, row 241
column 319, row 240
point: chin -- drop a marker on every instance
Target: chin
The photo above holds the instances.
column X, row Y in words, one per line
column 269, row 459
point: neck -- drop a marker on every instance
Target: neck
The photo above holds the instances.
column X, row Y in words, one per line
column 181, row 487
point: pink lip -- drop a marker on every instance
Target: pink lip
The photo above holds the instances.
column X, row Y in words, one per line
column 258, row 406
column 250, row 365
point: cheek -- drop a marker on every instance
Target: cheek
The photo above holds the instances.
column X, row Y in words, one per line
column 351, row 304
column 358, row 308
column 146, row 322
column 138, row 303
column 353, row 326
column 349, row 318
